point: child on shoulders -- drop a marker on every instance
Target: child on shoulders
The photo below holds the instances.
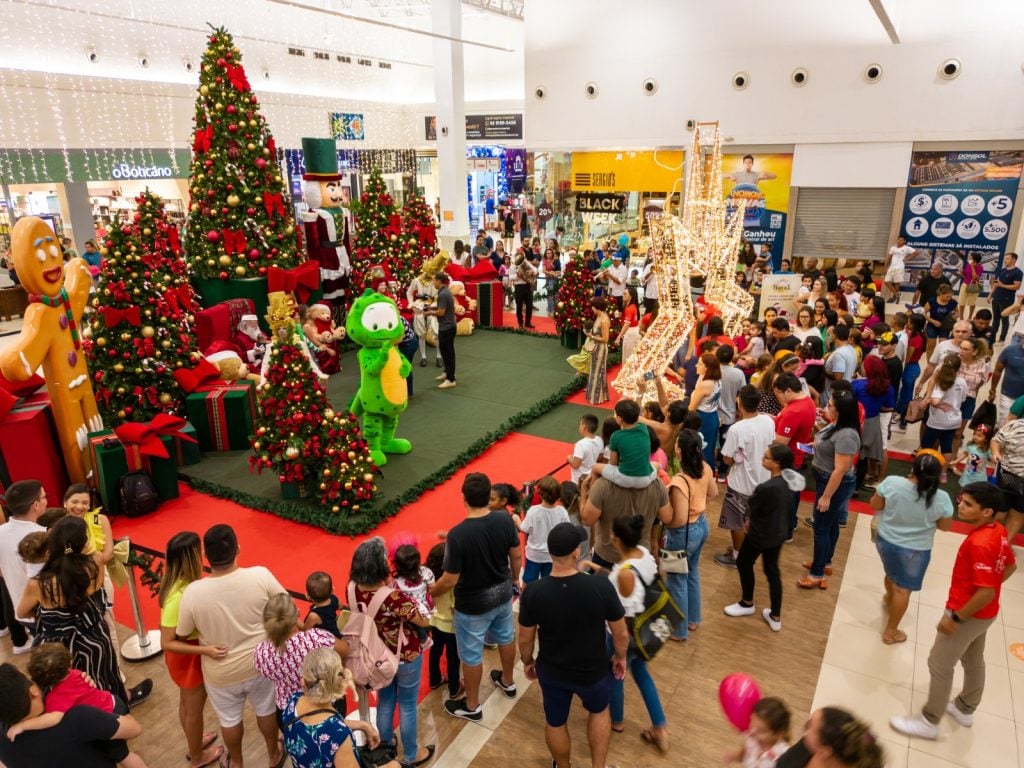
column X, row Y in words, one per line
column 629, row 450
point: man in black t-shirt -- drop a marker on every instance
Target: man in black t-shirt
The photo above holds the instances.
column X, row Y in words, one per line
column 784, row 337
column 928, row 286
column 1004, row 292
column 481, row 555
column 446, row 327
column 573, row 657
column 86, row 737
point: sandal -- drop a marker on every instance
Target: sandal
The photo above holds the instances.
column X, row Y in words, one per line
column 430, row 754
column 648, row 735
column 810, row 582
column 208, row 738
column 898, row 636
column 620, row 728
column 219, row 755
column 284, row 756
column 828, row 568
column 693, row 626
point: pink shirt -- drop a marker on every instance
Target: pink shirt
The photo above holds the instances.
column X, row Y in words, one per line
column 74, row 690
column 285, row 669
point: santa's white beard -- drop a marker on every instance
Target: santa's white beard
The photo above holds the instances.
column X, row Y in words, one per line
column 252, row 333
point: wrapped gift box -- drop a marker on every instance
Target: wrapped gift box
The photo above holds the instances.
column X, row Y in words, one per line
column 111, row 460
column 223, row 415
column 29, row 448
column 488, row 295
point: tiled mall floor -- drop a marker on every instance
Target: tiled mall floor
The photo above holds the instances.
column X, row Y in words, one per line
column 877, row 680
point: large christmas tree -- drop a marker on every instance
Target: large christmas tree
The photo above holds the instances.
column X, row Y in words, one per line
column 140, row 328
column 240, row 220
column 301, row 438
column 572, row 310
column 380, row 237
column 418, row 224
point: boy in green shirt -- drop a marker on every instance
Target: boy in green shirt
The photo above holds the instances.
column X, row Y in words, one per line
column 630, row 450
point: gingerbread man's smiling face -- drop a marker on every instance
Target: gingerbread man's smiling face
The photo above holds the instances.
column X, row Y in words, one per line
column 39, row 262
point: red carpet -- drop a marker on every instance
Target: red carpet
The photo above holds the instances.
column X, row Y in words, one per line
column 580, row 398
column 293, row 550
column 542, row 323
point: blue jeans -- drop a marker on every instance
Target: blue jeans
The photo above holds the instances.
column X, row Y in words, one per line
column 403, row 691
column 910, row 374
column 685, row 587
column 826, row 524
column 533, row 571
column 642, row 678
column 473, row 630
column 709, row 431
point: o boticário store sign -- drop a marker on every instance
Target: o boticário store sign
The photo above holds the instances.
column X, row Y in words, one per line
column 41, row 166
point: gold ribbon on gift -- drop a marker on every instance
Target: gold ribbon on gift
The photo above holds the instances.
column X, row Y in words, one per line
column 117, row 567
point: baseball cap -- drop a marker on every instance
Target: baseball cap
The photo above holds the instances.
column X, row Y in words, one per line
column 887, row 338
column 564, row 538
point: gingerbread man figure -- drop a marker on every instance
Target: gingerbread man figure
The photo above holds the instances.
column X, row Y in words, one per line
column 50, row 337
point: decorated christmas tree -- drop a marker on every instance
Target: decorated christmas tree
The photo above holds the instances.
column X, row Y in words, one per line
column 380, row 238
column 418, row 223
column 140, row 328
column 572, row 310
column 298, row 435
column 240, row 221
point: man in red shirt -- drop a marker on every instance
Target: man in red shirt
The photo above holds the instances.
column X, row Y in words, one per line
column 984, row 561
column 793, row 425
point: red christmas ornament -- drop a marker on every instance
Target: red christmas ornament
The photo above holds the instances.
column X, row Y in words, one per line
column 231, row 108
column 213, row 235
column 260, row 162
column 223, row 275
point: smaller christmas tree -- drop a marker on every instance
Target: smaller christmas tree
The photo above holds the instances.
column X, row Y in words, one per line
column 418, row 225
column 140, row 329
column 298, row 435
column 572, row 311
column 380, row 238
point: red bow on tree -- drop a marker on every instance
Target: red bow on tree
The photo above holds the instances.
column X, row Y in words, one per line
column 394, row 226
column 203, row 139
column 149, row 393
column 236, row 76
column 190, row 379
column 174, row 240
column 114, row 317
column 144, row 347
column 234, row 241
column 274, row 204
column 426, row 235
column 272, row 146
column 118, row 292
column 302, row 280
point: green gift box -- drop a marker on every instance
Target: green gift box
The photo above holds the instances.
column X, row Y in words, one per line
column 223, row 415
column 571, row 338
column 183, row 452
column 111, row 460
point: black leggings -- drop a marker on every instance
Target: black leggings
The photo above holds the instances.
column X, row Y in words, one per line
column 444, row 643
column 770, row 563
column 524, row 303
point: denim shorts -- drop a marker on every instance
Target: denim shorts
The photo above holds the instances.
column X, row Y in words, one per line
column 904, row 567
column 472, row 629
column 557, row 697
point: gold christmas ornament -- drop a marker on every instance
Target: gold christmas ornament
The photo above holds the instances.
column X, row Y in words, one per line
column 148, row 331
column 224, row 260
column 165, row 398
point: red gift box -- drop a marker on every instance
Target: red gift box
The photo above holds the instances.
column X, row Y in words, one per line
column 29, row 449
column 488, row 296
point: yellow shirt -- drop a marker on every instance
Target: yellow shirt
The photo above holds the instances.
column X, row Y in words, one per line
column 97, row 538
column 444, row 606
column 171, row 606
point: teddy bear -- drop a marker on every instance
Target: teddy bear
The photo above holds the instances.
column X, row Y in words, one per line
column 463, row 307
column 231, row 366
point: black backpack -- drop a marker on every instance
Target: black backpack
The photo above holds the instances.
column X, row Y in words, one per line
column 138, row 494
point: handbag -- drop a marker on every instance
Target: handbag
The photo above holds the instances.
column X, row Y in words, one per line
column 916, row 410
column 676, row 560
column 589, row 346
column 1010, row 482
column 650, row 629
column 985, row 413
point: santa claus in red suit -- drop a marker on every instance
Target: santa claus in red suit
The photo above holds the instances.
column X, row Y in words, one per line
column 327, row 224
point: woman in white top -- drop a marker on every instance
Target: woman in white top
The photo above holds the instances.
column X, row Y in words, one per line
column 948, row 390
column 635, row 569
column 804, row 326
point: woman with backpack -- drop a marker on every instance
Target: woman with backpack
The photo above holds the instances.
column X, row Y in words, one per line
column 369, row 575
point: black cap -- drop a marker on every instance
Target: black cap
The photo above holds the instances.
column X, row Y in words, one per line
column 564, row 538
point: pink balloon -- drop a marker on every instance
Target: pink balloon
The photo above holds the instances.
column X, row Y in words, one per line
column 738, row 694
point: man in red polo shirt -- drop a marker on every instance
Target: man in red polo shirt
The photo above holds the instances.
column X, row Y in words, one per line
column 795, row 424
column 984, row 561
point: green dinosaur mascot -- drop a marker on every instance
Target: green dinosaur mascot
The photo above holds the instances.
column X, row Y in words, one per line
column 373, row 323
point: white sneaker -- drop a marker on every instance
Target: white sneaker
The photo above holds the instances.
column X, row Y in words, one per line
column 4, row 632
column 26, row 648
column 776, row 626
column 915, row 726
column 442, row 377
column 737, row 609
column 963, row 718
column 446, row 384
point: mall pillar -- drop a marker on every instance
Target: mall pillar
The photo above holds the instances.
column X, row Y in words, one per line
column 450, row 102
column 80, row 213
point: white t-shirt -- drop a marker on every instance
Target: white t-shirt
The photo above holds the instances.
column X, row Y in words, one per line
column 943, row 349
column 16, row 572
column 537, row 524
column 745, row 443
column 645, row 569
column 940, row 419
column 650, row 285
column 899, row 257
column 588, row 451
column 619, row 288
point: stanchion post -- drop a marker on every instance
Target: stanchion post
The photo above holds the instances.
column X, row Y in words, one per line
column 142, row 645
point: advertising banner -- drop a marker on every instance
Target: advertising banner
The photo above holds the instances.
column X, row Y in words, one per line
column 482, row 127
column 659, row 171
column 779, row 292
column 762, row 182
column 958, row 203
column 347, row 126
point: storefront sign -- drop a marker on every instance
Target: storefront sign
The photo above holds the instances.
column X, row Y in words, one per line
column 658, row 171
column 545, row 211
column 361, row 160
column 779, row 291
column 958, row 203
column 347, row 126
column 515, row 164
column 600, row 202
column 482, row 127
column 125, row 171
column 762, row 183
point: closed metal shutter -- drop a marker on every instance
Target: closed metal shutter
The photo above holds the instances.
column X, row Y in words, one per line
column 843, row 223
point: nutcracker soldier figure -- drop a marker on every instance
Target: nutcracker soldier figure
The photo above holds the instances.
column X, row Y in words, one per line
column 327, row 224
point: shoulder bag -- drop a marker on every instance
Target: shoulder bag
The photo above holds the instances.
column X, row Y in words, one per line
column 916, row 409
column 675, row 560
column 651, row 628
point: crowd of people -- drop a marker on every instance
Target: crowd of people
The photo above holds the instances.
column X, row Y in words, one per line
column 835, row 384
